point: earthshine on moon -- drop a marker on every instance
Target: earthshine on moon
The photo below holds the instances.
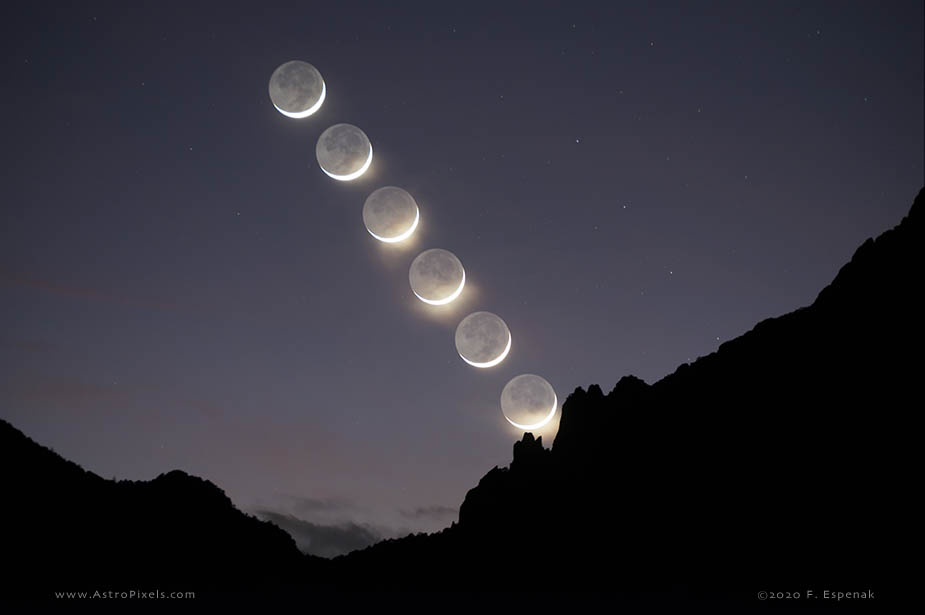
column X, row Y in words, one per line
column 297, row 89
column 436, row 276
column 528, row 402
column 390, row 214
column 344, row 152
column 483, row 339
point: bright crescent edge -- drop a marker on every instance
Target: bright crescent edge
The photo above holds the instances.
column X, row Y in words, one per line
column 542, row 423
column 494, row 361
column 299, row 115
column 403, row 236
column 445, row 300
column 355, row 174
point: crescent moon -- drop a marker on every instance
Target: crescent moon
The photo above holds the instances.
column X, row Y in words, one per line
column 308, row 111
column 541, row 424
column 445, row 300
column 494, row 362
column 403, row 236
column 355, row 174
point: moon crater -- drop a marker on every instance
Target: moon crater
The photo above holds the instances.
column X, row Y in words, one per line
column 436, row 276
column 483, row 339
column 344, row 152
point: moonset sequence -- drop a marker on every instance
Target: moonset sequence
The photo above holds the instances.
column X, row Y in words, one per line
column 391, row 215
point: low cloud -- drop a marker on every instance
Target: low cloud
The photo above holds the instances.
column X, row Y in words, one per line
column 436, row 512
column 312, row 506
column 324, row 540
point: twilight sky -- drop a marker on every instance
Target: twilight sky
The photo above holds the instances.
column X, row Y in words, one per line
column 627, row 184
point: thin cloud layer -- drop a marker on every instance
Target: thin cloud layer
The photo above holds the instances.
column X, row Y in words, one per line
column 323, row 540
column 435, row 512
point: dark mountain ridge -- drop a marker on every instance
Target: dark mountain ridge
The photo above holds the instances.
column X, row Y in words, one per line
column 783, row 459
column 65, row 528
column 781, row 462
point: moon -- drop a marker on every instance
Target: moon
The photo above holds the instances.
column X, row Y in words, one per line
column 528, row 402
column 390, row 214
column 437, row 276
column 344, row 152
column 297, row 89
column 483, row 339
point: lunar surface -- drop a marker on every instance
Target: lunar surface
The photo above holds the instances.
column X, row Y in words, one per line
column 344, row 152
column 437, row 277
column 483, row 339
column 390, row 214
column 528, row 402
column 297, row 89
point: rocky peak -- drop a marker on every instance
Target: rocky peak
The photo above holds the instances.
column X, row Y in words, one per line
column 528, row 451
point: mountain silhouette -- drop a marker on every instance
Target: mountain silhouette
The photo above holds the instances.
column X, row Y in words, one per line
column 64, row 528
column 784, row 461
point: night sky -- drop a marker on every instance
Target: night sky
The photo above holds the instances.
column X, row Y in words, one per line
column 627, row 184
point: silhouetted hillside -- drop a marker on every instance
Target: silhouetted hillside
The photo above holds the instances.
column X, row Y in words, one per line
column 784, row 461
column 63, row 528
